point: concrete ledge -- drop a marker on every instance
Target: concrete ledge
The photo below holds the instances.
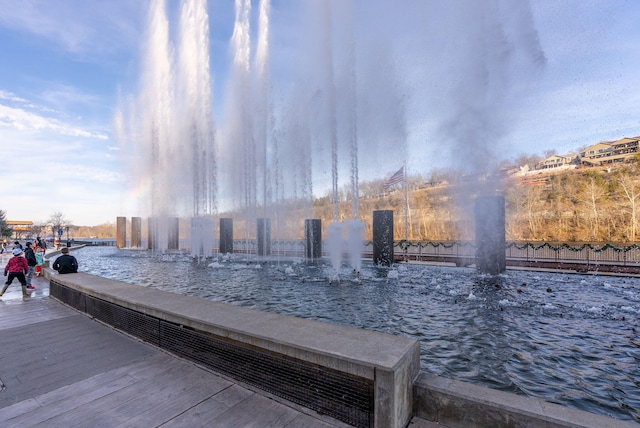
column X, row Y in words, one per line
column 460, row 404
column 391, row 362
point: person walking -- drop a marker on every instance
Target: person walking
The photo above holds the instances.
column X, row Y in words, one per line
column 16, row 267
column 66, row 263
column 30, row 255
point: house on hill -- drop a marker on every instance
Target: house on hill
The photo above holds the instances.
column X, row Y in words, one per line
column 556, row 162
column 603, row 153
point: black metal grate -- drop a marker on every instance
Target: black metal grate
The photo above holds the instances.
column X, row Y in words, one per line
column 340, row 395
column 68, row 295
column 135, row 323
column 345, row 397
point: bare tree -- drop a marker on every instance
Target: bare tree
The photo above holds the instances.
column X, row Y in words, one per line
column 592, row 194
column 630, row 186
column 57, row 221
column 528, row 204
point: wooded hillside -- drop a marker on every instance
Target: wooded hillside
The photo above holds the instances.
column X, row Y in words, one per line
column 582, row 205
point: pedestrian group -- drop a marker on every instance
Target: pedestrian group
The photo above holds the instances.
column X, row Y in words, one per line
column 28, row 262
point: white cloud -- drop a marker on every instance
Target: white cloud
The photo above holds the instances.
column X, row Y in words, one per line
column 23, row 120
column 5, row 95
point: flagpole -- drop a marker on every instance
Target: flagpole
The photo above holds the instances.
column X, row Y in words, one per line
column 406, row 205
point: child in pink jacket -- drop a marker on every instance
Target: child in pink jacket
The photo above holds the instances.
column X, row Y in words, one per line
column 17, row 267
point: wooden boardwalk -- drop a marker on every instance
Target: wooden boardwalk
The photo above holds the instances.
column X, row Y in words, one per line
column 60, row 368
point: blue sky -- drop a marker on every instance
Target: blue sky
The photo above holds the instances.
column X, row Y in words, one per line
column 65, row 64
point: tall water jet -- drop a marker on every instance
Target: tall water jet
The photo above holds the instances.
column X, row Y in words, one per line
column 239, row 151
column 174, row 149
column 158, row 106
column 330, row 88
column 195, row 106
column 262, row 114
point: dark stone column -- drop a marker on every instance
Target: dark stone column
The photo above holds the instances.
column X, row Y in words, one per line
column 173, row 227
column 490, row 235
column 313, row 238
column 226, row 236
column 264, row 236
column 136, row 232
column 383, row 237
column 151, row 233
column 121, row 232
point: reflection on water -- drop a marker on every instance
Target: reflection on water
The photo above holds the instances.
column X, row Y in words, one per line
column 569, row 339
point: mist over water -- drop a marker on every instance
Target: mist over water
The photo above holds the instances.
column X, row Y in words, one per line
column 317, row 96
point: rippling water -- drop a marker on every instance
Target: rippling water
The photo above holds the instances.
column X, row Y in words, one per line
column 567, row 338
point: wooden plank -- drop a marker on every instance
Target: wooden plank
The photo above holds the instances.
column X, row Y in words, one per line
column 130, row 401
column 68, row 349
column 255, row 411
column 233, row 395
column 306, row 421
column 48, row 413
column 73, row 396
column 29, row 311
column 150, row 366
column 159, row 412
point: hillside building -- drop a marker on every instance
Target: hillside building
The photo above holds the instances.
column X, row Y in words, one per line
column 603, row 153
column 556, row 162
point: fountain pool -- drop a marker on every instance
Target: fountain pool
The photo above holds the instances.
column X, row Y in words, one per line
column 566, row 338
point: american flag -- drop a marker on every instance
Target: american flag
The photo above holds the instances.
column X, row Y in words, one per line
column 396, row 178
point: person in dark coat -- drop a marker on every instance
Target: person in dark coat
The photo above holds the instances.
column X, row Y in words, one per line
column 30, row 255
column 66, row 263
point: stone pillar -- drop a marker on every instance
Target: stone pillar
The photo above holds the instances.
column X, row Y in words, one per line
column 121, row 232
column 313, row 238
column 264, row 236
column 173, row 227
column 490, row 235
column 136, row 232
column 226, row 236
column 383, row 237
column 151, row 233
